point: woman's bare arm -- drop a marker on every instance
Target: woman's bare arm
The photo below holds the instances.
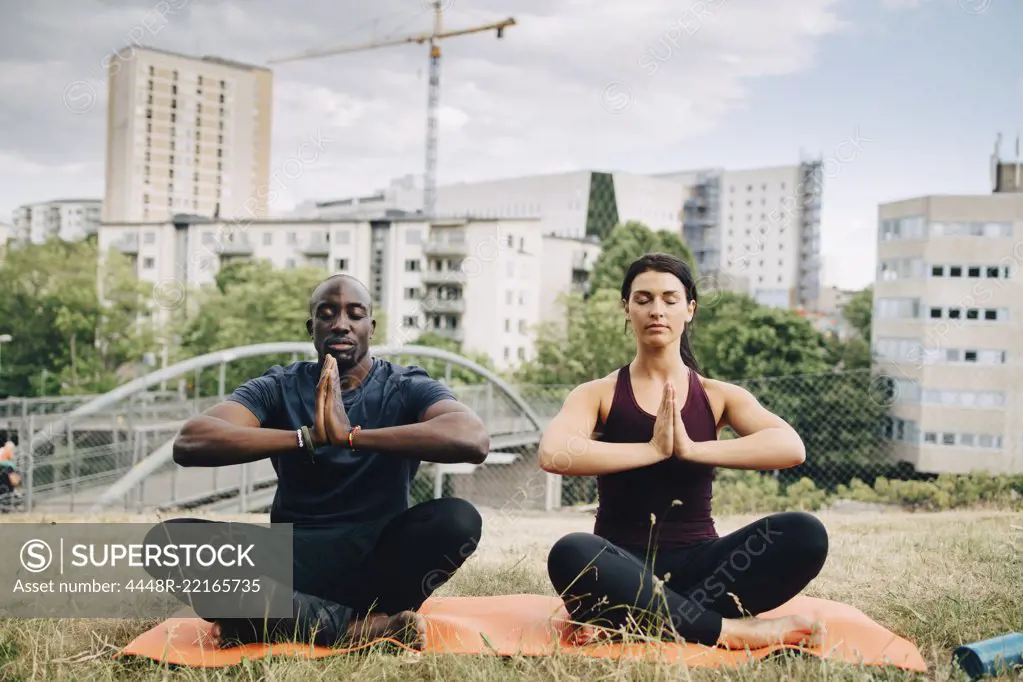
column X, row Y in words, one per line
column 567, row 447
column 766, row 441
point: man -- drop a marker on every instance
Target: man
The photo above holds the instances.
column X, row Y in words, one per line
column 346, row 435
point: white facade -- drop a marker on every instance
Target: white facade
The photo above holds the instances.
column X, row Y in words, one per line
column 567, row 264
column 483, row 283
column 560, row 202
column 68, row 219
column 758, row 229
column 186, row 135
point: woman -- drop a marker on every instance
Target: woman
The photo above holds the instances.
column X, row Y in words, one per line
column 654, row 556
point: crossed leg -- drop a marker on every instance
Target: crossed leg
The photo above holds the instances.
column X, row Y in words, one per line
column 696, row 593
column 338, row 598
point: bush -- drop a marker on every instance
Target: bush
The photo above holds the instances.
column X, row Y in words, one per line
column 751, row 492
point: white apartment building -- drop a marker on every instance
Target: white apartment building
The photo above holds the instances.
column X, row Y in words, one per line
column 947, row 323
column 484, row 283
column 573, row 204
column 68, row 219
column 186, row 135
column 757, row 230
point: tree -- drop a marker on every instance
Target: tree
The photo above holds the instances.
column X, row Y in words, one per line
column 589, row 342
column 65, row 334
column 762, row 342
column 859, row 311
column 251, row 303
column 626, row 243
column 438, row 368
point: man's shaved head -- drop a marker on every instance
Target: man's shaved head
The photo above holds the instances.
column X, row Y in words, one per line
column 333, row 280
column 341, row 320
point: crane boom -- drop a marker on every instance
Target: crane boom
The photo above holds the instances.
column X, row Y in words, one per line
column 433, row 98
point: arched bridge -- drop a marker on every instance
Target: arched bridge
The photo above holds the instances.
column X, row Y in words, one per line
column 141, row 475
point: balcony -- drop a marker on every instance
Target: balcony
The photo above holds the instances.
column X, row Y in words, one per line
column 582, row 261
column 444, row 277
column 456, row 334
column 446, row 248
column 234, row 246
column 316, row 247
column 432, row 304
column 128, row 243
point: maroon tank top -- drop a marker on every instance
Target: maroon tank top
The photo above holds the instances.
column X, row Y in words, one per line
column 628, row 498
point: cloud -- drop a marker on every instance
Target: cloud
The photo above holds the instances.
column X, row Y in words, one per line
column 534, row 101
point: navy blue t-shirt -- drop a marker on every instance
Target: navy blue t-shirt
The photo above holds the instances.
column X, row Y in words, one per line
column 341, row 486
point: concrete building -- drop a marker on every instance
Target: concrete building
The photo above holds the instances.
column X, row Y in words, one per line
column 948, row 312
column 68, row 219
column 757, row 230
column 186, row 135
column 573, row 204
column 484, row 283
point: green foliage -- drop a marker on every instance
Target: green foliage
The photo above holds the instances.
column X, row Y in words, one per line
column 590, row 342
column 853, row 353
column 859, row 311
column 750, row 492
column 50, row 303
column 762, row 342
column 460, row 376
column 252, row 303
column 626, row 243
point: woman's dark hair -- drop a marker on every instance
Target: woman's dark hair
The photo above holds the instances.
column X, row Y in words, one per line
column 665, row 262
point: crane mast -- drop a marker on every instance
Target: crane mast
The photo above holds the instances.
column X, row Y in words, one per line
column 432, row 39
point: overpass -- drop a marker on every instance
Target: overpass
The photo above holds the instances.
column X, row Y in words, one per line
column 142, row 476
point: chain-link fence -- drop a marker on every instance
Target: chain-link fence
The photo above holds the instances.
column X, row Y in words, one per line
column 842, row 417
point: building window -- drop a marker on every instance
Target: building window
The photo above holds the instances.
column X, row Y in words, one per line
column 411, row 293
column 341, row 264
column 412, row 265
column 148, row 263
column 410, row 321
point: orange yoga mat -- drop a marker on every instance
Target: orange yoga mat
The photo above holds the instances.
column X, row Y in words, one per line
column 536, row 625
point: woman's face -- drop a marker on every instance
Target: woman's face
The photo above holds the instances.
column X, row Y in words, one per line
column 657, row 308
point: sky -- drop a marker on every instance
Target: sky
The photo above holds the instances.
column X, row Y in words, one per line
column 901, row 98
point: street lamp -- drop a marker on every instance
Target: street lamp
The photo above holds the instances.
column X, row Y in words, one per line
column 4, row 338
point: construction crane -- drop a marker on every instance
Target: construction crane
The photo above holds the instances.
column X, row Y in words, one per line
column 433, row 98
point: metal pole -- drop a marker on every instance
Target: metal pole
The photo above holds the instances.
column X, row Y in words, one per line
column 438, row 482
column 29, row 474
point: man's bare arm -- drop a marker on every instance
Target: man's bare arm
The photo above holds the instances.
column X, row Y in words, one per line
column 448, row 432
column 228, row 433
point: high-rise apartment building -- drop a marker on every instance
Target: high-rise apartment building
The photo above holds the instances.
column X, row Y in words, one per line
column 67, row 219
column 947, row 323
column 757, row 230
column 485, row 283
column 186, row 135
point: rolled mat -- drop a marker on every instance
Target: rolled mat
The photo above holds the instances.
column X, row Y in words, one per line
column 537, row 625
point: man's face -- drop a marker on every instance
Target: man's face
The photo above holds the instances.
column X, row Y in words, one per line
column 341, row 324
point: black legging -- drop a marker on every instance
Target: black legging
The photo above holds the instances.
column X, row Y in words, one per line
column 764, row 565
column 338, row 575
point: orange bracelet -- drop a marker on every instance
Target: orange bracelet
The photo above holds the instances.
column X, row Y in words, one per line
column 351, row 437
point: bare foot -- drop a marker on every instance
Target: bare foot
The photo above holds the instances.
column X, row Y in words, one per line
column 757, row 633
column 584, row 635
column 408, row 627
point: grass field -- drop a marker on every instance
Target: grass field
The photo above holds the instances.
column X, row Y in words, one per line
column 935, row 579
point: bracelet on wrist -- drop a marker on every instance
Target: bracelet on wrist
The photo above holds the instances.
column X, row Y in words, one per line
column 305, row 440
